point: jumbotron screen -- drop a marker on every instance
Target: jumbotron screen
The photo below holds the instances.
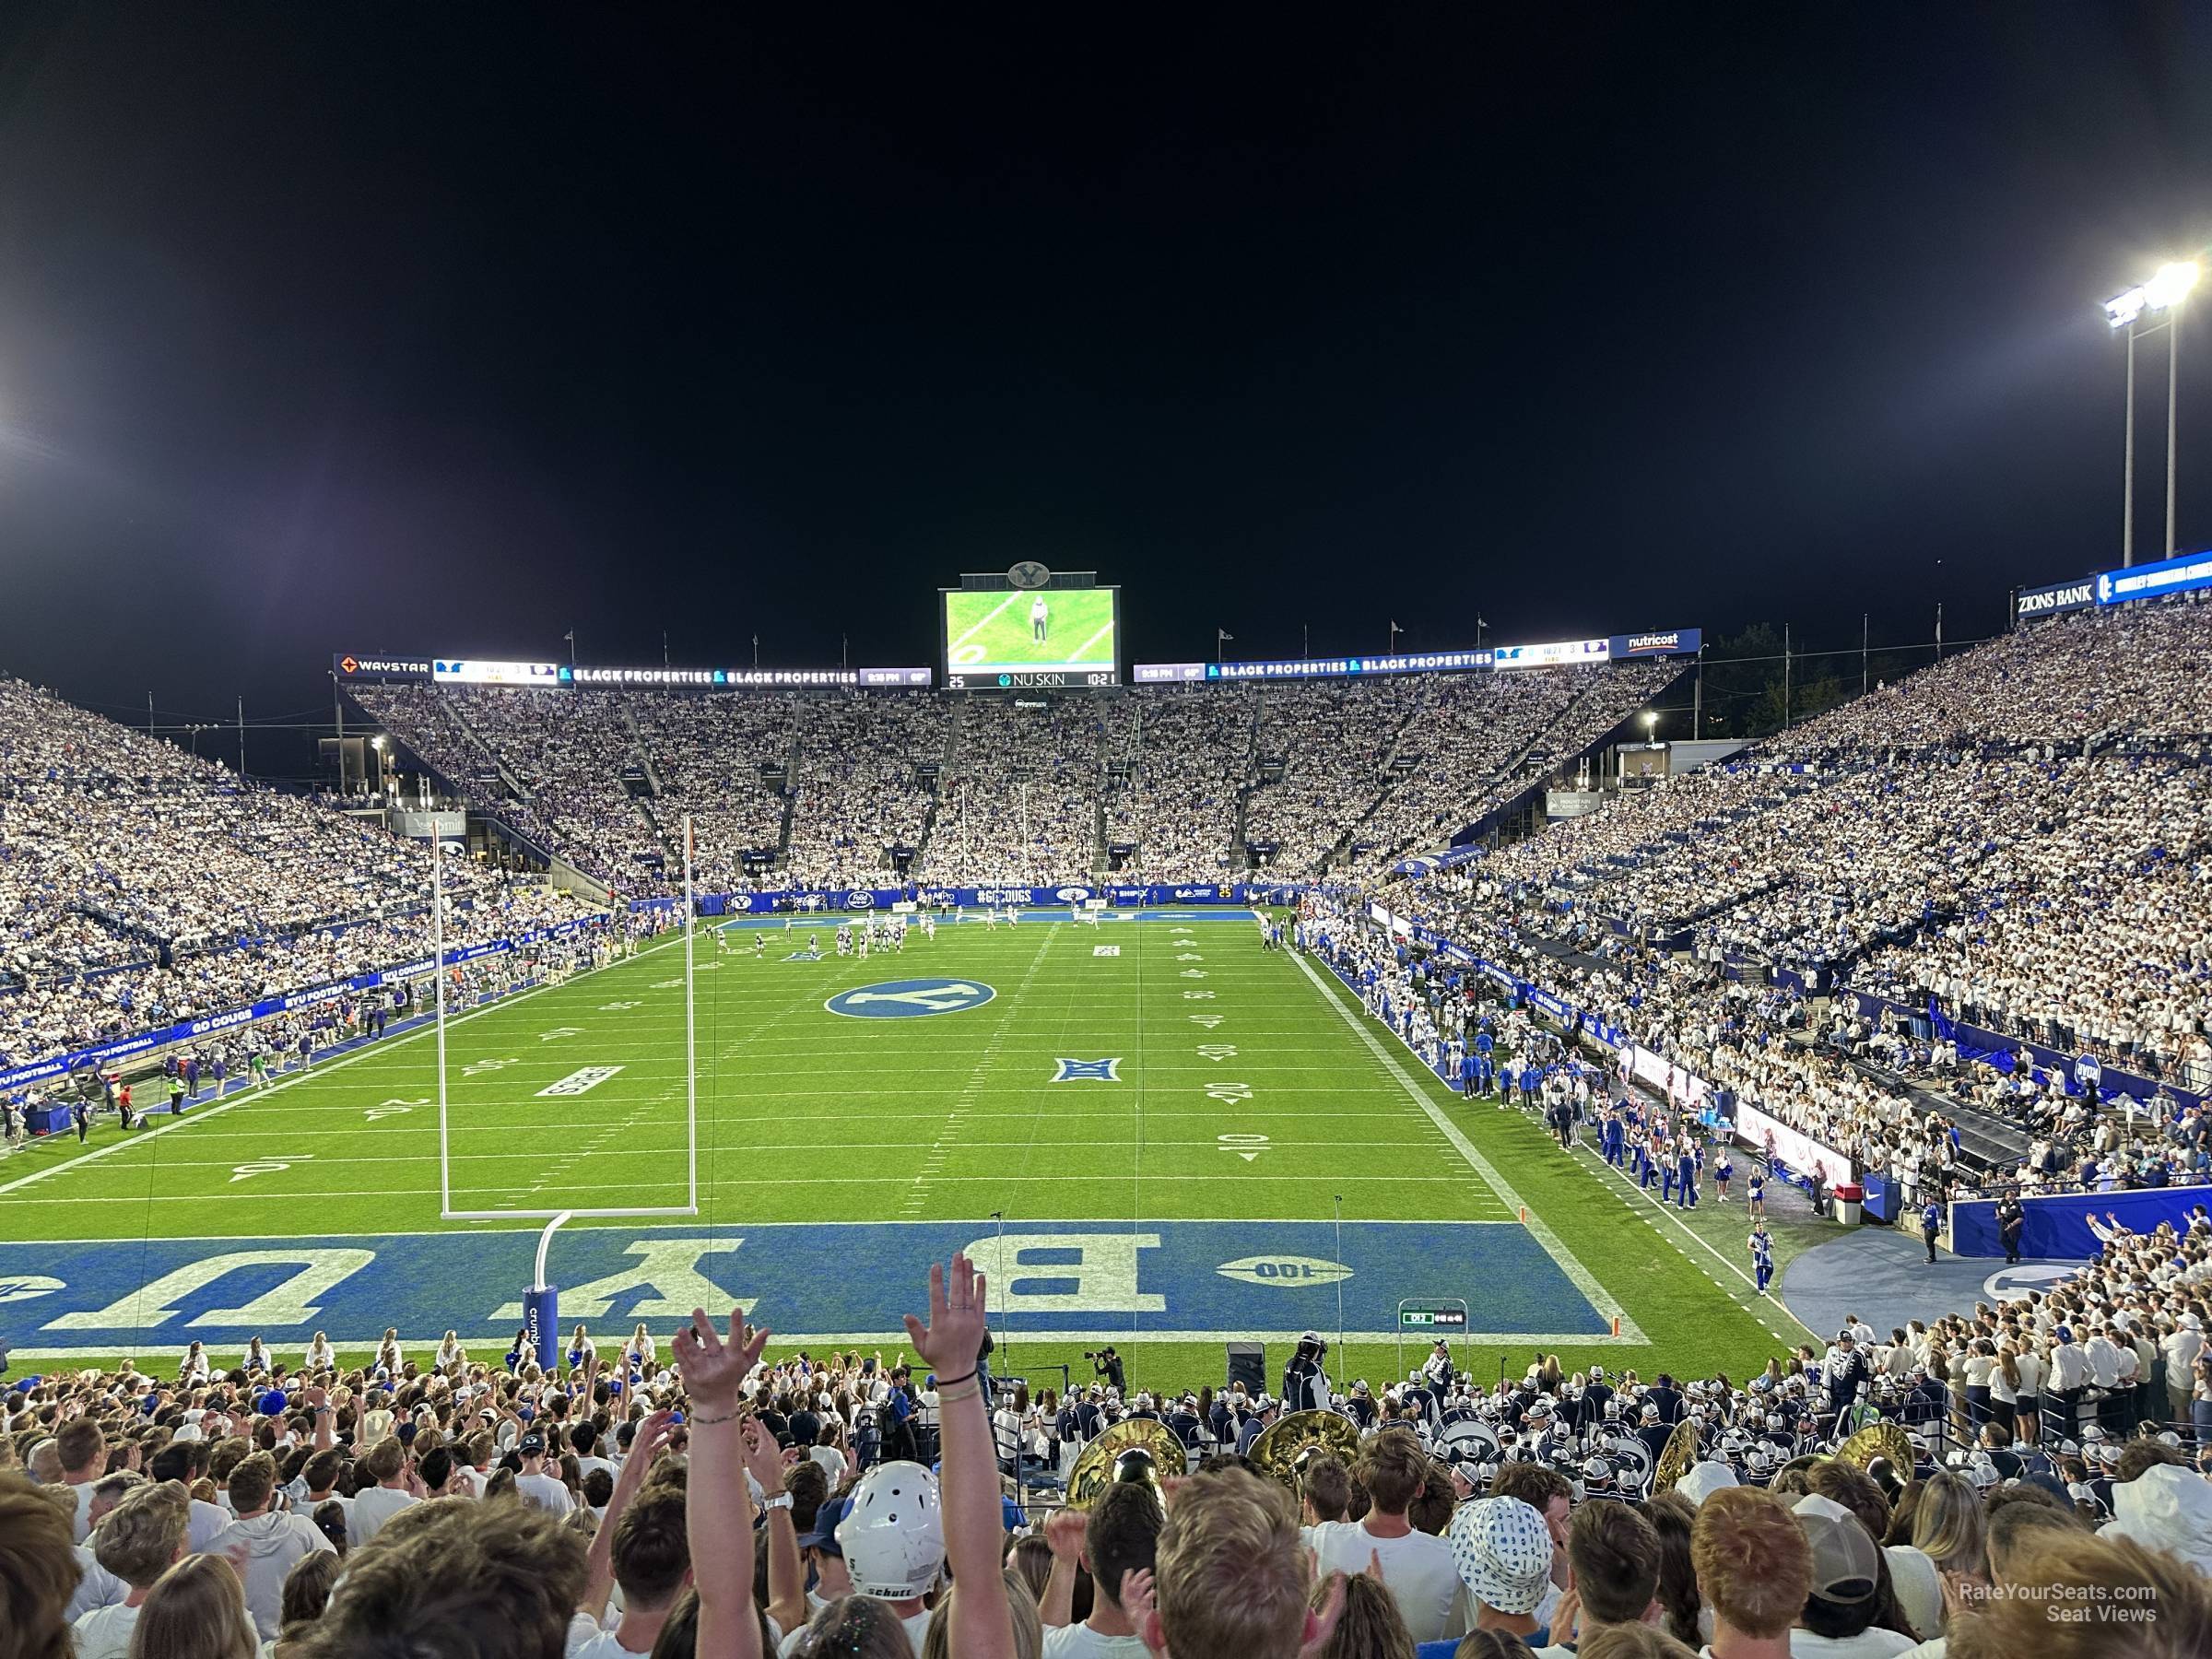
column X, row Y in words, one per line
column 1015, row 638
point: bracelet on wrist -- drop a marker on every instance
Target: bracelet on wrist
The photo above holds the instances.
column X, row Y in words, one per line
column 706, row 1422
column 954, row 1399
column 945, row 1382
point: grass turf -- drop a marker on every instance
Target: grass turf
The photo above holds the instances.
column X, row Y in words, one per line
column 994, row 631
column 805, row 1116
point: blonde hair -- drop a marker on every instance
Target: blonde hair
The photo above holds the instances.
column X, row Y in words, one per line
column 195, row 1610
column 1230, row 1574
column 138, row 1539
column 1028, row 1625
column 1949, row 1525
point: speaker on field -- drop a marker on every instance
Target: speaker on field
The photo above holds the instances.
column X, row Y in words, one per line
column 1248, row 1365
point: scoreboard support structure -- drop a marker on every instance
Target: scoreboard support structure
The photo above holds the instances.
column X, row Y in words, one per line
column 1439, row 1318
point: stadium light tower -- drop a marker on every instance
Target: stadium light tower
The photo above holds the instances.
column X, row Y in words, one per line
column 2167, row 287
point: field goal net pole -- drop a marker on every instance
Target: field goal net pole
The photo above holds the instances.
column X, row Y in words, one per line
column 541, row 1319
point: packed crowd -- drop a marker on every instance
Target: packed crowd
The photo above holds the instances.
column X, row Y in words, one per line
column 1186, row 752
column 1021, row 808
column 1028, row 797
column 2050, row 892
column 1479, row 739
column 140, row 886
column 861, row 791
column 1332, row 742
column 2142, row 671
column 607, row 1498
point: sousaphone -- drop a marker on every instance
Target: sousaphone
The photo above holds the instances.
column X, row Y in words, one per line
column 1675, row 1461
column 1874, row 1441
column 1143, row 1451
column 1284, row 1445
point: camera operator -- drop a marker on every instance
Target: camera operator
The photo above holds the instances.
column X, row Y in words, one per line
column 1108, row 1364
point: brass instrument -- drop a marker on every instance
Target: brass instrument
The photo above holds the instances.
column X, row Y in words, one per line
column 1674, row 1462
column 1284, row 1445
column 1874, row 1441
column 1143, row 1451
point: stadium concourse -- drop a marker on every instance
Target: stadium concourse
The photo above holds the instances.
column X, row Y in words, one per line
column 2012, row 844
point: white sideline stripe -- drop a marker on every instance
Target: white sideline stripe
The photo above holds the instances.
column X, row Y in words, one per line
column 1603, row 1300
column 1550, row 1339
column 1753, row 1308
column 981, row 622
column 202, row 1114
column 1050, row 1223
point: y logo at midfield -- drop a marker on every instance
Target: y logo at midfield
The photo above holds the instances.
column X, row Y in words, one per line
column 910, row 999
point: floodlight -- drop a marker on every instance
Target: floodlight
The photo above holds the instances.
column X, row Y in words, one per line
column 2169, row 286
column 2172, row 284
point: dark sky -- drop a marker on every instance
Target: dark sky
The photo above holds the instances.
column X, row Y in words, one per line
column 446, row 328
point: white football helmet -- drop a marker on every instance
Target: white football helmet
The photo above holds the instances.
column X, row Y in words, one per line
column 894, row 1538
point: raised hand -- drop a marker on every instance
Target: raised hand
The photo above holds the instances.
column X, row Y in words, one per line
column 763, row 1458
column 714, row 1369
column 1064, row 1530
column 949, row 1344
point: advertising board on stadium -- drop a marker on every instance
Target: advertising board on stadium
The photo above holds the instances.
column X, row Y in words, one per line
column 1556, row 653
column 348, row 666
column 2182, row 575
column 1344, row 667
column 1673, row 642
column 483, row 671
column 2054, row 599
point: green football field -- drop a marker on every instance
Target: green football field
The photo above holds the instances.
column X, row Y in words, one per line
column 1153, row 1132
column 996, row 630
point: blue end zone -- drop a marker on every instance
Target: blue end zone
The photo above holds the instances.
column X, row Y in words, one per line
column 816, row 1284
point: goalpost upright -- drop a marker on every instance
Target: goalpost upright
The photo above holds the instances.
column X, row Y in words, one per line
column 448, row 1211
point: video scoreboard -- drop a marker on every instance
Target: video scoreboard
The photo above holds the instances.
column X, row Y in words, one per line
column 1030, row 629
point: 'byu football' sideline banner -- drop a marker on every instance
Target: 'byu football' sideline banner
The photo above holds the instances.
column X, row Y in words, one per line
column 1060, row 1281
column 208, row 1024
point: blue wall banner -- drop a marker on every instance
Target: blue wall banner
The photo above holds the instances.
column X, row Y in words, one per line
column 1053, row 1280
column 2182, row 575
column 2059, row 1226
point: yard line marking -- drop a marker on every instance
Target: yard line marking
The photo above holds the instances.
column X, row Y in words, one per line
column 381, row 1046
column 1087, row 644
column 981, row 622
column 1604, row 1300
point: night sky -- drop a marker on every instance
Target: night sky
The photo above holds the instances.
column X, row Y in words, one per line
column 390, row 328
